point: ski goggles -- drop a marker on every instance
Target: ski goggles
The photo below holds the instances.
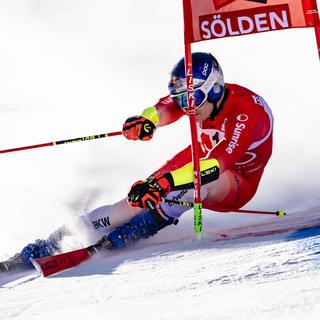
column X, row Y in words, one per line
column 182, row 99
column 201, row 91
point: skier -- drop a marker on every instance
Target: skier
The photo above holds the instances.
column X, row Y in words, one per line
column 235, row 127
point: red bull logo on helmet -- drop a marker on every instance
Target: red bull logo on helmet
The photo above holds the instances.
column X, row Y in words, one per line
column 177, row 84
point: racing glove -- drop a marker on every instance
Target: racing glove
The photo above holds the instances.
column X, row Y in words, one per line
column 138, row 128
column 149, row 193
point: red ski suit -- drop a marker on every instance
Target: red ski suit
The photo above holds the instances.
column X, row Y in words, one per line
column 239, row 137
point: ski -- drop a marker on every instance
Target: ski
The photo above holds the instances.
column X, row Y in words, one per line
column 48, row 266
column 51, row 265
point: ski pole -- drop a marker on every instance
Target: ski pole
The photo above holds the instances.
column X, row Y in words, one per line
column 54, row 143
column 279, row 213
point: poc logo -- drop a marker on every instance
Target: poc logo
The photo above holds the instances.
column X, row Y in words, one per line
column 205, row 69
column 242, row 117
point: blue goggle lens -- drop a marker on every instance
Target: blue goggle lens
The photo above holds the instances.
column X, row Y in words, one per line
column 182, row 100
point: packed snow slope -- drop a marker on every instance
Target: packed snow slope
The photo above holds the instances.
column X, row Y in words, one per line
column 76, row 68
column 258, row 278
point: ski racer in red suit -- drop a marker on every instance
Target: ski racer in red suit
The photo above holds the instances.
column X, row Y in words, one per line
column 235, row 127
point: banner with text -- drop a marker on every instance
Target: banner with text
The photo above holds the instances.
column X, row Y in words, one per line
column 213, row 19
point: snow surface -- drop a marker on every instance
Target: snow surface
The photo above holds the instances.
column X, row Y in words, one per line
column 74, row 68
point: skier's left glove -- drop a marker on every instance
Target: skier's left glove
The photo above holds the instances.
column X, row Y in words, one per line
column 149, row 193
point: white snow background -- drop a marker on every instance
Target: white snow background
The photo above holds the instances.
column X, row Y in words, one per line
column 74, row 68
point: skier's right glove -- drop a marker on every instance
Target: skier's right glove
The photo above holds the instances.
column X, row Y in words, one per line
column 149, row 193
column 138, row 128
